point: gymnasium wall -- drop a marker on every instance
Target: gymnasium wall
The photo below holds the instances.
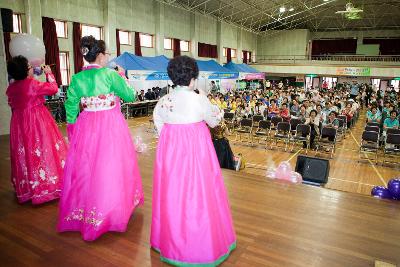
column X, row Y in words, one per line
column 283, row 43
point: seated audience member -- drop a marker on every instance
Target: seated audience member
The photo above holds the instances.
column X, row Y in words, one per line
column 295, row 108
column 222, row 104
column 333, row 122
column 373, row 115
column 273, row 109
column 320, row 115
column 314, row 124
column 284, row 112
column 348, row 112
column 391, row 122
column 149, row 95
column 141, row 96
column 302, row 114
column 222, row 146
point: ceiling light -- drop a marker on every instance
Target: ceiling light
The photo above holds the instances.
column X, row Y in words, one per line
column 326, row 0
column 291, row 9
column 282, row 9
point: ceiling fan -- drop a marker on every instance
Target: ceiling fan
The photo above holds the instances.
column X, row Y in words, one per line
column 351, row 12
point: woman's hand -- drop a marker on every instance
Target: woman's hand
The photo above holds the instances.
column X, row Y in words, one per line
column 46, row 69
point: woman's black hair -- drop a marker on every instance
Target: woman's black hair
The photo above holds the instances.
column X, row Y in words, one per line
column 91, row 48
column 314, row 112
column 18, row 67
column 182, row 69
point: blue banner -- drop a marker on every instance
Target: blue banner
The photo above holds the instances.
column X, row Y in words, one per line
column 158, row 75
column 223, row 75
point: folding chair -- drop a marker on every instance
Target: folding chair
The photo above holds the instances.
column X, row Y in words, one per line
column 324, row 142
column 293, row 124
column 245, row 128
column 229, row 118
column 342, row 126
column 392, row 147
column 301, row 136
column 282, row 134
column 369, row 144
column 372, row 129
column 257, row 119
column 392, row 131
column 374, row 124
column 263, row 130
column 341, row 130
column 274, row 122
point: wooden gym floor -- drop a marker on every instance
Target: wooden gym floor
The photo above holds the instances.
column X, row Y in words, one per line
column 277, row 224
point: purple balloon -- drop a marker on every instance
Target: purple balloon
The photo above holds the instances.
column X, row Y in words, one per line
column 381, row 192
column 394, row 188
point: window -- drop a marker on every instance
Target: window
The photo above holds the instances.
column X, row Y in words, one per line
column 124, row 37
column 146, row 40
column 61, row 28
column 168, row 43
column 185, row 45
column 17, row 23
column 64, row 68
column 92, row 30
column 233, row 52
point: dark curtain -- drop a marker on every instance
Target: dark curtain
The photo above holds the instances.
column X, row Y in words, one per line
column 244, row 56
column 207, row 50
column 118, row 43
column 213, row 51
column 76, row 39
column 138, row 50
column 228, row 55
column 7, row 39
column 50, row 40
column 386, row 46
column 250, row 58
column 177, row 47
column 332, row 47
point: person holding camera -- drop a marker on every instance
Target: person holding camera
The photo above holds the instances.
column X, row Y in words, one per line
column 37, row 147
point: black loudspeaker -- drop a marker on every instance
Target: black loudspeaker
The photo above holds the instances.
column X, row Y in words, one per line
column 7, row 19
column 313, row 170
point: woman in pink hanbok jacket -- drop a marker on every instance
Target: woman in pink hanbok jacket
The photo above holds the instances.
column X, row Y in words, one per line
column 37, row 148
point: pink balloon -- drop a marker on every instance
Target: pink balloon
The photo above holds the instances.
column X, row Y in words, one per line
column 284, row 171
column 296, row 178
column 271, row 173
column 137, row 141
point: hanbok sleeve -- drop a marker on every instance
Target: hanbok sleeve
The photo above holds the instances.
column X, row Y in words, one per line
column 72, row 102
column 47, row 88
column 121, row 87
column 157, row 117
column 212, row 113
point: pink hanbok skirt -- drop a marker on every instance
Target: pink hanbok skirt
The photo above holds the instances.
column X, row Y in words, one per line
column 191, row 220
column 102, row 184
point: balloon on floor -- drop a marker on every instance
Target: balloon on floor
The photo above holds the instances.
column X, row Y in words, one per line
column 284, row 172
column 139, row 145
column 381, row 192
column 391, row 192
column 394, row 188
column 28, row 46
